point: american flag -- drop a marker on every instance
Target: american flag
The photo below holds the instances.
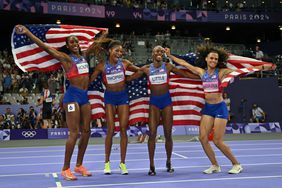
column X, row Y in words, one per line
column 187, row 94
column 29, row 57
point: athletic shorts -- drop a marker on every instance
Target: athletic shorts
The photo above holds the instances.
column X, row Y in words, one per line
column 218, row 110
column 74, row 94
column 161, row 101
column 116, row 98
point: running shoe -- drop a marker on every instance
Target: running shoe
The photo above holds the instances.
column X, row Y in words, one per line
column 82, row 170
column 152, row 171
column 212, row 169
column 236, row 169
column 68, row 175
column 123, row 169
column 107, row 169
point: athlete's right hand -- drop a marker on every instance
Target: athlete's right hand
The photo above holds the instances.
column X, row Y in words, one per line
column 167, row 51
column 20, row 29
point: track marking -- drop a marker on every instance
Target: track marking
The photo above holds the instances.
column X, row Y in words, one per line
column 133, row 153
column 179, row 155
column 230, row 143
column 143, row 169
column 58, row 183
column 177, row 181
column 135, row 160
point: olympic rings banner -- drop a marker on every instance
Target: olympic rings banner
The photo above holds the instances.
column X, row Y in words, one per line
column 231, row 128
column 27, row 134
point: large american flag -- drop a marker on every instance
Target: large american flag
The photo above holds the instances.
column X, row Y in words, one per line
column 187, row 94
column 29, row 57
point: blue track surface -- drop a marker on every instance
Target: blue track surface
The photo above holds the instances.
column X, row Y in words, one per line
column 38, row 166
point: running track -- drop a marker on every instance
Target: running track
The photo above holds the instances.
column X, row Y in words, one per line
column 38, row 167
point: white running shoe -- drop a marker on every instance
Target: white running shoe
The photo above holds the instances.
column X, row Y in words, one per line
column 236, row 169
column 212, row 169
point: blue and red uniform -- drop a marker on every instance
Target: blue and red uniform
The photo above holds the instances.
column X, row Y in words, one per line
column 159, row 76
column 79, row 68
column 211, row 84
column 114, row 74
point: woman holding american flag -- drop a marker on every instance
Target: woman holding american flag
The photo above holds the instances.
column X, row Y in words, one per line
column 116, row 99
column 214, row 113
column 160, row 104
column 75, row 100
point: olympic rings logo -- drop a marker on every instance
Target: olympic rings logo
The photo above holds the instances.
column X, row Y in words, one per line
column 28, row 134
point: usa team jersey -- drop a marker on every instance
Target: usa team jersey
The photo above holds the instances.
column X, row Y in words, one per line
column 114, row 73
column 79, row 67
column 211, row 82
column 158, row 76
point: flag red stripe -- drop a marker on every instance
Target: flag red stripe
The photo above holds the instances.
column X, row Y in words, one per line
column 46, row 69
column 38, row 61
column 27, row 53
column 63, row 39
column 54, row 32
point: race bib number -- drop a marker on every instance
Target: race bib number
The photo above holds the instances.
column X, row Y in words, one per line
column 82, row 68
column 158, row 79
column 71, row 107
column 210, row 86
column 115, row 78
column 49, row 99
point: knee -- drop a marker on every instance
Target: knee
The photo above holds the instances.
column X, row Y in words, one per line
column 152, row 134
column 203, row 139
column 110, row 132
column 74, row 133
column 218, row 143
column 123, row 131
column 85, row 131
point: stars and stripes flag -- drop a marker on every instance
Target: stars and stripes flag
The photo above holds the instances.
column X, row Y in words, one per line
column 29, row 57
column 187, row 94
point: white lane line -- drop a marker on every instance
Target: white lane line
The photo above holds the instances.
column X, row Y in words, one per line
column 145, row 169
column 132, row 153
column 140, row 146
column 135, row 160
column 182, row 156
column 176, row 181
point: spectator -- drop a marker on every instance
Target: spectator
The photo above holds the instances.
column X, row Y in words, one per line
column 22, row 119
column 258, row 115
column 47, row 102
column 32, row 117
column 258, row 53
column 9, row 122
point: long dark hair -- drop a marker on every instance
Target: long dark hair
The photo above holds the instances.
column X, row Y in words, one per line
column 100, row 47
column 203, row 50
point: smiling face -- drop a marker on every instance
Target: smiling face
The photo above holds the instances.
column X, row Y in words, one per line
column 212, row 60
column 115, row 53
column 158, row 53
column 73, row 44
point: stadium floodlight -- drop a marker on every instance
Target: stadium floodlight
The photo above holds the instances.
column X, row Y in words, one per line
column 258, row 40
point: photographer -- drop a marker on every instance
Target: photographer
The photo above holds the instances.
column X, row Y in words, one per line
column 258, row 115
